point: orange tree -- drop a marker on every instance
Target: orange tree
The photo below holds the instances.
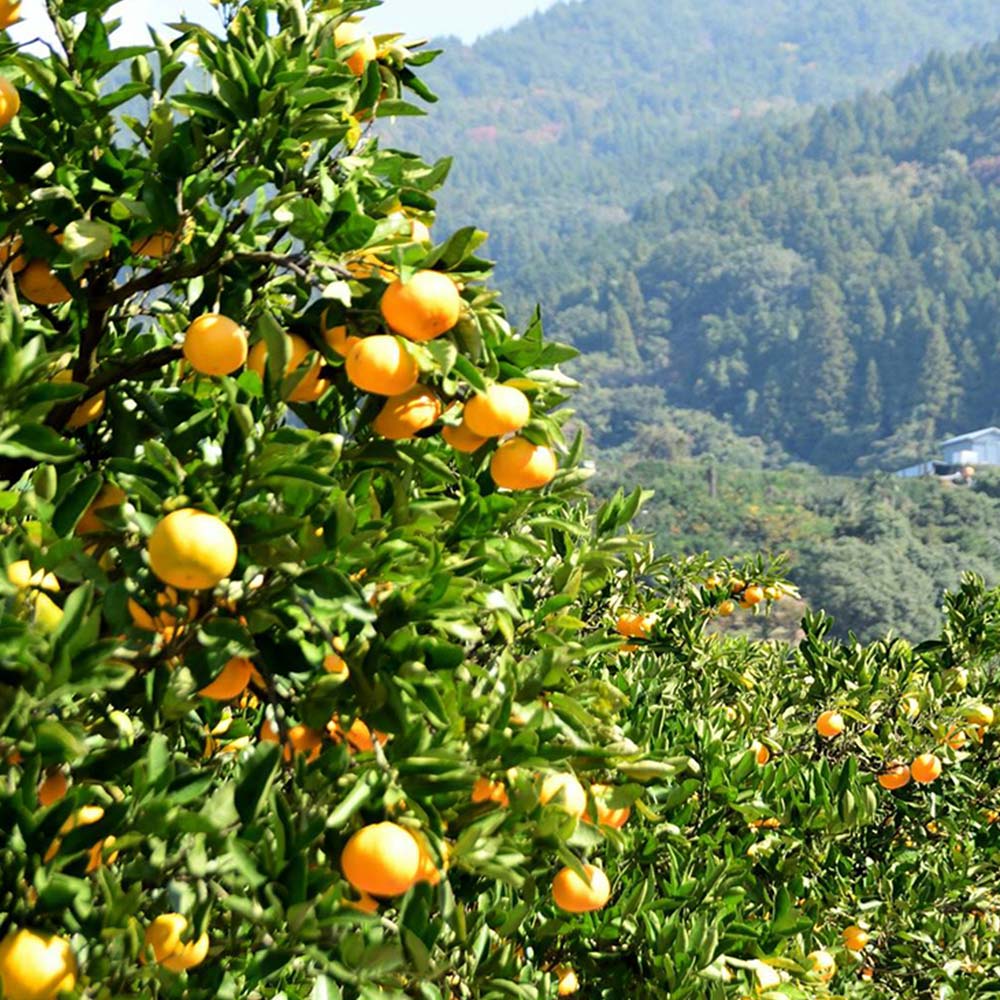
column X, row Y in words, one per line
column 318, row 677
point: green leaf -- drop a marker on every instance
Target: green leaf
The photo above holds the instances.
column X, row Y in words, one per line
column 71, row 507
column 38, row 442
column 256, row 775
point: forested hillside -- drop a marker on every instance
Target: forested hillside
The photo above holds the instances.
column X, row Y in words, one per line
column 562, row 123
column 831, row 286
column 877, row 553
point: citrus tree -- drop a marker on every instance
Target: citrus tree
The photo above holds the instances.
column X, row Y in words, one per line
column 319, row 676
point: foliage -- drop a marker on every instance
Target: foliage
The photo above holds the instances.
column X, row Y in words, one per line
column 876, row 553
column 180, row 772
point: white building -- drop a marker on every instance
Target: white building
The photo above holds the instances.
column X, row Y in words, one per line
column 976, row 448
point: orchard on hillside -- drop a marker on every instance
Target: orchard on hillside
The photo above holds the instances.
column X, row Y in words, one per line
column 319, row 676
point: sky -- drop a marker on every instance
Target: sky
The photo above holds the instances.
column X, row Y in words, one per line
column 466, row 18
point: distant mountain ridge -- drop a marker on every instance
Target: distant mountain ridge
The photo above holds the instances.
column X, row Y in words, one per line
column 833, row 287
column 561, row 123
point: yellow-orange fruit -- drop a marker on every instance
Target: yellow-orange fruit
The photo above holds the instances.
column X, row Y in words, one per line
column 165, row 622
column 10, row 252
column 301, row 739
column 402, row 416
column 10, row 102
column 231, row 682
column 108, row 497
column 606, row 815
column 53, row 788
column 823, row 964
column 348, row 33
column 567, row 981
column 428, row 871
column 830, row 724
column 485, row 790
column 635, row 625
column 157, row 246
column 519, row 464
column 566, row 792
column 333, row 663
column 855, row 938
column 192, row 550
column 500, row 410
column 215, row 345
column 753, row 595
column 894, row 777
column 424, row 307
column 36, row 966
column 761, row 752
column 576, row 895
column 337, row 338
column 726, row 608
column 459, row 437
column 164, row 935
column 926, row 768
column 10, row 13
column 311, row 386
column 86, row 412
column 40, row 284
column 358, row 735
column 382, row 365
column 95, row 857
column 381, row 859
column 979, row 715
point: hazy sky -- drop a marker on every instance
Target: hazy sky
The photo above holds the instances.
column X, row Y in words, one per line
column 465, row 18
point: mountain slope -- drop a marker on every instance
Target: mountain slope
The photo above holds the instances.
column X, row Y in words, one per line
column 540, row 157
column 832, row 287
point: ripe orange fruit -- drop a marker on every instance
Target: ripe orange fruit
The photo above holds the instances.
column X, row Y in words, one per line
column 894, row 776
column 215, row 345
column 459, row 437
column 40, row 284
column 301, row 739
column 86, row 412
column 753, row 595
column 428, row 871
column 955, row 738
column 95, row 857
column 576, row 895
column 36, row 966
column 108, row 497
column 415, row 229
column 606, row 815
column 402, row 416
column 926, row 768
column 830, row 724
column 519, row 464
column 979, row 715
column 10, row 12
column 164, row 934
column 567, row 981
column 855, row 938
column 567, row 792
column 485, row 790
column 192, row 550
column 84, row 816
column 909, row 706
column 358, row 735
column 381, row 859
column 761, row 752
column 157, row 246
column 10, row 251
column 333, row 663
column 10, row 102
column 231, row 682
column 382, row 365
column 310, row 387
column 350, row 33
column 822, row 963
column 635, row 625
column 423, row 308
column 53, row 788
column 337, row 338
column 498, row 411
column 164, row 622
column 726, row 608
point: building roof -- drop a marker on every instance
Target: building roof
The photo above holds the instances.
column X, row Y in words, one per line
column 972, row 435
